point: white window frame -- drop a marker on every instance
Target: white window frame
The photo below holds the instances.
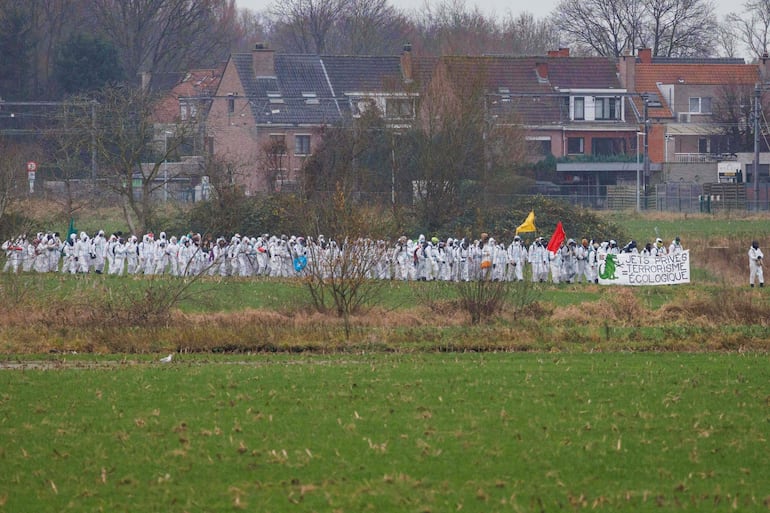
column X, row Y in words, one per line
column 701, row 109
column 400, row 104
column 579, row 114
column 297, row 149
column 607, row 102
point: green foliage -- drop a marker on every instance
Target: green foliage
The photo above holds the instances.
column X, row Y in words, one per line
column 620, row 157
column 86, row 63
column 578, row 222
column 16, row 44
column 236, row 213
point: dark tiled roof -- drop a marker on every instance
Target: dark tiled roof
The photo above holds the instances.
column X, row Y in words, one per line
column 697, row 60
column 350, row 74
column 583, row 73
column 310, row 89
column 534, row 98
column 299, row 74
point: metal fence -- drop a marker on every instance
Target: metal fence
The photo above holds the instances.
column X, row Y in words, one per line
column 686, row 197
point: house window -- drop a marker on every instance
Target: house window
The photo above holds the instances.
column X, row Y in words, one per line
column 543, row 148
column 399, row 108
column 187, row 111
column 575, row 145
column 700, row 105
column 230, row 104
column 302, row 145
column 278, row 144
column 607, row 108
column 606, row 146
column 579, row 111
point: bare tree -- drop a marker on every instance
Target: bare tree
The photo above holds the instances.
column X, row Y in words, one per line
column 526, row 35
column 274, row 159
column 12, row 159
column 371, row 27
column 596, row 26
column 342, row 273
column 125, row 137
column 167, row 35
column 679, row 28
column 753, row 27
column 305, row 25
column 733, row 112
column 726, row 42
column 71, row 149
column 671, row 28
column 353, row 157
column 252, row 27
column 449, row 141
column 451, row 28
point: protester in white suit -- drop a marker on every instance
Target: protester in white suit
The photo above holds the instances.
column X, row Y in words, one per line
column 755, row 265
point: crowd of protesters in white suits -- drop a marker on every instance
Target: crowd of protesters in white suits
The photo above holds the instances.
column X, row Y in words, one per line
column 421, row 258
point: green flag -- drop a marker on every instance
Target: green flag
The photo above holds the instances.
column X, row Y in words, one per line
column 71, row 228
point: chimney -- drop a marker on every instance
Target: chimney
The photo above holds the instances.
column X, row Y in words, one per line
column 645, row 55
column 407, row 70
column 263, row 60
column 541, row 68
column 764, row 64
column 627, row 71
column 561, row 52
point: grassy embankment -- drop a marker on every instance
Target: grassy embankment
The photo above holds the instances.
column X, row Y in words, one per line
column 102, row 314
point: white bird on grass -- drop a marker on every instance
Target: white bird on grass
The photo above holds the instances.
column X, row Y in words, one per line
column 167, row 359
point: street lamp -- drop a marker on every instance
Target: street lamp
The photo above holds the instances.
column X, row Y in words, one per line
column 638, row 173
column 166, row 133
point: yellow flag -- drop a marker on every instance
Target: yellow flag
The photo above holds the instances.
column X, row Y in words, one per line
column 528, row 225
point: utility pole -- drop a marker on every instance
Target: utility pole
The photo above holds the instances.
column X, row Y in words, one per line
column 757, row 94
column 93, row 142
column 646, row 148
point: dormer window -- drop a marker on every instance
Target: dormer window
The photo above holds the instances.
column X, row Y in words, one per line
column 310, row 98
column 607, row 108
column 579, row 108
column 187, row 110
column 400, row 108
column 700, row 105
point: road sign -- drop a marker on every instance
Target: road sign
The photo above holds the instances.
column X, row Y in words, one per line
column 31, row 166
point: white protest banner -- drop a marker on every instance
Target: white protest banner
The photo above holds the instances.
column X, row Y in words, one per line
column 630, row 269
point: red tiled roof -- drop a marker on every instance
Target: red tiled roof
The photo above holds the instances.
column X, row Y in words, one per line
column 526, row 77
column 648, row 76
column 196, row 83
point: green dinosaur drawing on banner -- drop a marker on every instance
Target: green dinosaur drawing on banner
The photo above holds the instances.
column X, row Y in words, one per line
column 608, row 271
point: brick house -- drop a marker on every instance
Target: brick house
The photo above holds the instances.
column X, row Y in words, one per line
column 684, row 133
column 181, row 112
column 568, row 105
column 268, row 108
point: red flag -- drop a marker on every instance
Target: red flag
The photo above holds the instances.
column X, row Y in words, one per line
column 557, row 238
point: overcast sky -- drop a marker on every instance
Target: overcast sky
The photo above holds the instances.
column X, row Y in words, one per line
column 539, row 8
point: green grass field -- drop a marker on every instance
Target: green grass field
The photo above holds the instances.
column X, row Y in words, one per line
column 388, row 433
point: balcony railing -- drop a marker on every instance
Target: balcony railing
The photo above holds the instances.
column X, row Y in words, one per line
column 695, row 157
column 702, row 157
